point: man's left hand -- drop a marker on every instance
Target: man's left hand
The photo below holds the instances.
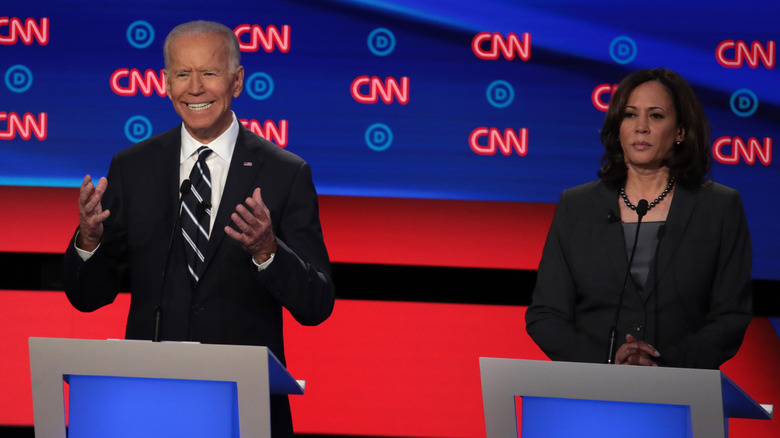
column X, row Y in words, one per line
column 254, row 221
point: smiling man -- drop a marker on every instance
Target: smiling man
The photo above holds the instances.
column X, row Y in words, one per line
column 244, row 240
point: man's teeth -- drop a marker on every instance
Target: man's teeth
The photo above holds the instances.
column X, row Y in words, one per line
column 199, row 106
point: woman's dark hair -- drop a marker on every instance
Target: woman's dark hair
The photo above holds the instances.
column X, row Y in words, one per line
column 691, row 159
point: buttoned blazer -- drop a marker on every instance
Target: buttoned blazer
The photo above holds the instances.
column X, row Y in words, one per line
column 696, row 304
column 232, row 303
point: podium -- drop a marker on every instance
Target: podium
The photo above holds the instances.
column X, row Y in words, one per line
column 584, row 396
column 245, row 377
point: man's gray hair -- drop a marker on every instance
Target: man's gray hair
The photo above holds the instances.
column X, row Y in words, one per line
column 201, row 27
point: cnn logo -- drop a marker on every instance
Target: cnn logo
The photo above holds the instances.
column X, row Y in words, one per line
column 370, row 89
column 28, row 32
column 269, row 38
column 488, row 46
column 734, row 54
column 488, row 141
column 147, row 82
column 25, row 126
column 747, row 151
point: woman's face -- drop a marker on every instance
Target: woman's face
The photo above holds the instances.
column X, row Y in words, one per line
column 649, row 126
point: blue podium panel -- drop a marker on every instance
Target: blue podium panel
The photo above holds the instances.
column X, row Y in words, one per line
column 120, row 407
column 567, row 418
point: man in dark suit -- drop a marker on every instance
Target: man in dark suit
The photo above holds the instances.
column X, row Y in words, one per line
column 264, row 248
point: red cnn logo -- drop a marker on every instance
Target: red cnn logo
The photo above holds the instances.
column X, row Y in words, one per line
column 496, row 140
column 269, row 39
column 25, row 126
column 749, row 152
column 388, row 91
column 268, row 130
column 598, row 92
column 147, row 82
column 508, row 47
column 26, row 32
column 742, row 52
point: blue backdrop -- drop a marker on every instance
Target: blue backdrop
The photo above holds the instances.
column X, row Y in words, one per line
column 475, row 100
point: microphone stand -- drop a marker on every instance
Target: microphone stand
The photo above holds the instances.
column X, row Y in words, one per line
column 641, row 210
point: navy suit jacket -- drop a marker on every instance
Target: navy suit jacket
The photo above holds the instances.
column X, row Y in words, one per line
column 233, row 303
column 696, row 304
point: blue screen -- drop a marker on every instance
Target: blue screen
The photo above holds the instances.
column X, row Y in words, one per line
column 466, row 100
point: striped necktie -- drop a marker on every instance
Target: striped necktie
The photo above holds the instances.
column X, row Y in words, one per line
column 196, row 215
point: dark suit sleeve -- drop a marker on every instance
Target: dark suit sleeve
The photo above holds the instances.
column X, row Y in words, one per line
column 300, row 275
column 550, row 319
column 94, row 283
column 728, row 306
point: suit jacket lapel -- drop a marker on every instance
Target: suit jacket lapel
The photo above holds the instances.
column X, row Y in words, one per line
column 244, row 165
column 612, row 244
column 677, row 222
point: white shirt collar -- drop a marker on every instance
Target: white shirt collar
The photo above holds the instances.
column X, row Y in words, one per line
column 222, row 146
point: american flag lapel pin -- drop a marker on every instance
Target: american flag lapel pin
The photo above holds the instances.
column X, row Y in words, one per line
column 247, row 164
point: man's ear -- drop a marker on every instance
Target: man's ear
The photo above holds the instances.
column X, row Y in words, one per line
column 239, row 85
column 167, row 84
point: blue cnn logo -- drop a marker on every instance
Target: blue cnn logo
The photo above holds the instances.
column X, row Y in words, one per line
column 744, row 102
column 138, row 128
column 18, row 78
column 379, row 137
column 381, row 42
column 260, row 86
column 500, row 94
column 140, row 34
column 622, row 50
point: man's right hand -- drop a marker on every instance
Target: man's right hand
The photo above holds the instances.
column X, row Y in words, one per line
column 91, row 213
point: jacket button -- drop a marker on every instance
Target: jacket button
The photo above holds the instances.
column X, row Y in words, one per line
column 638, row 327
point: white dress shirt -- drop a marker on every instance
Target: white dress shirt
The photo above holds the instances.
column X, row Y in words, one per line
column 218, row 161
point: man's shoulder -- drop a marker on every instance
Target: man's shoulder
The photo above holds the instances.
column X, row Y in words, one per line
column 269, row 151
column 171, row 137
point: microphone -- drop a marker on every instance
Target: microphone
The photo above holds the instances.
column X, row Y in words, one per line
column 641, row 211
column 184, row 188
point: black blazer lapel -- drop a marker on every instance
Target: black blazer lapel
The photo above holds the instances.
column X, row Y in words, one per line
column 612, row 245
column 244, row 166
column 677, row 222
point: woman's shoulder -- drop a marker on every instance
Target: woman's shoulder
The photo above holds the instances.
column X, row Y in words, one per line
column 716, row 191
column 585, row 192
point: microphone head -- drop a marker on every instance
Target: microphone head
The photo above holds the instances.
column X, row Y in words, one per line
column 185, row 186
column 641, row 208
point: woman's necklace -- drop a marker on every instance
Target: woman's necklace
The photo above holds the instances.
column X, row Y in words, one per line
column 652, row 204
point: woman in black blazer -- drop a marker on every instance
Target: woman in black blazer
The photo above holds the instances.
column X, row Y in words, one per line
column 686, row 300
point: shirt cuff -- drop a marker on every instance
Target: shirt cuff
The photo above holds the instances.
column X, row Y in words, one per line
column 265, row 264
column 84, row 254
